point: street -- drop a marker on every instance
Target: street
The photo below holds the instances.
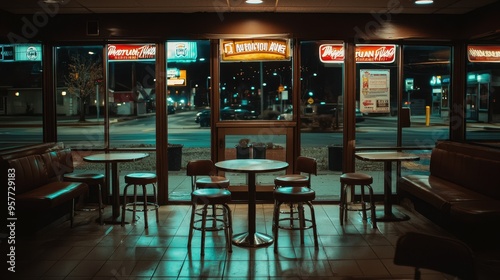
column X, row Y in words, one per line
column 374, row 131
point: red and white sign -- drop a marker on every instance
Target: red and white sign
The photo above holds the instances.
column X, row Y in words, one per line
column 131, row 52
column 331, row 53
column 483, row 53
column 334, row 53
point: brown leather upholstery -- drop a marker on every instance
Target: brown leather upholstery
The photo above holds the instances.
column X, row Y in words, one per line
column 436, row 253
column 462, row 189
column 38, row 173
column 204, row 175
column 50, row 195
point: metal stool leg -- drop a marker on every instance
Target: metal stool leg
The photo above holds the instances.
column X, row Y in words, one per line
column 363, row 204
column 155, row 196
column 99, row 197
column 372, row 203
column 145, row 194
column 203, row 228
column 313, row 221
column 134, row 205
column 124, row 204
column 191, row 225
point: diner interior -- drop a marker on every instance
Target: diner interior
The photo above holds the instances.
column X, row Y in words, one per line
column 266, row 139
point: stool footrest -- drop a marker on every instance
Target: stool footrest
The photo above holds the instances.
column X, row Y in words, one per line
column 358, row 206
column 151, row 206
column 292, row 226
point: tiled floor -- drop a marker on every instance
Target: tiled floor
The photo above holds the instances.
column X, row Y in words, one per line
column 92, row 251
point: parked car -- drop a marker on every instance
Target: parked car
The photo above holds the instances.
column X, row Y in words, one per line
column 359, row 116
column 243, row 114
column 287, row 115
column 170, row 109
column 203, row 116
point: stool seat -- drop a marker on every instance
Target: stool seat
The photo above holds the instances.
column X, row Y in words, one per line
column 140, row 178
column 355, row 178
column 88, row 178
column 294, row 194
column 292, row 180
column 213, row 182
column 91, row 179
column 211, row 196
column 352, row 180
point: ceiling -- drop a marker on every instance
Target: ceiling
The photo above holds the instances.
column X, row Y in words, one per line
column 236, row 6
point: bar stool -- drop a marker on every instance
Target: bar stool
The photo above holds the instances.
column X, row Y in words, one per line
column 356, row 179
column 91, row 179
column 204, row 175
column 140, row 179
column 305, row 167
column 206, row 198
column 299, row 196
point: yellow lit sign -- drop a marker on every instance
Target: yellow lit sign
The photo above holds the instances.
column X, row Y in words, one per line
column 255, row 49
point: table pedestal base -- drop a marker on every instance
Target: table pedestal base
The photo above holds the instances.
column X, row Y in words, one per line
column 381, row 216
column 258, row 239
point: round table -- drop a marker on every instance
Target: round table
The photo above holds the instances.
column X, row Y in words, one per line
column 387, row 157
column 251, row 167
column 114, row 159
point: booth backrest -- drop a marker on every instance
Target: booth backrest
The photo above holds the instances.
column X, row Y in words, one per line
column 471, row 166
column 37, row 165
column 30, row 172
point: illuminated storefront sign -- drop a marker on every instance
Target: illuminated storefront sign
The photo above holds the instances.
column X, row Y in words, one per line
column 131, row 52
column 483, row 53
column 255, row 50
column 176, row 77
column 182, row 51
column 176, row 52
column 10, row 53
column 334, row 53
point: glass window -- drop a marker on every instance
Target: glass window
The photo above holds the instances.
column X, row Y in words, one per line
column 80, row 96
column 320, row 111
column 21, row 96
column 482, row 99
column 376, row 98
column 426, row 94
column 255, row 81
column 188, row 99
column 131, row 95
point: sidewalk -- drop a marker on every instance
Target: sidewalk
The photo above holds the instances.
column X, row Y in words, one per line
column 34, row 121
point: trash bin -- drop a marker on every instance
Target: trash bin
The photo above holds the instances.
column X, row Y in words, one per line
column 174, row 157
column 335, row 158
column 242, row 152
column 259, row 152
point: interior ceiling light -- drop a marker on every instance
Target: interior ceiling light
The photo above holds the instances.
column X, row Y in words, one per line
column 424, row 2
column 53, row 1
column 254, row 1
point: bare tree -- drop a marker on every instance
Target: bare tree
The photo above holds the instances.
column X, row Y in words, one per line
column 84, row 75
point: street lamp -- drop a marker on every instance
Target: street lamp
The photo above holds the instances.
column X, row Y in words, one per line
column 279, row 89
column 208, row 90
column 281, row 80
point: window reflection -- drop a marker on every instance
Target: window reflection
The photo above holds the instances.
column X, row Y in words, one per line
column 255, row 90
